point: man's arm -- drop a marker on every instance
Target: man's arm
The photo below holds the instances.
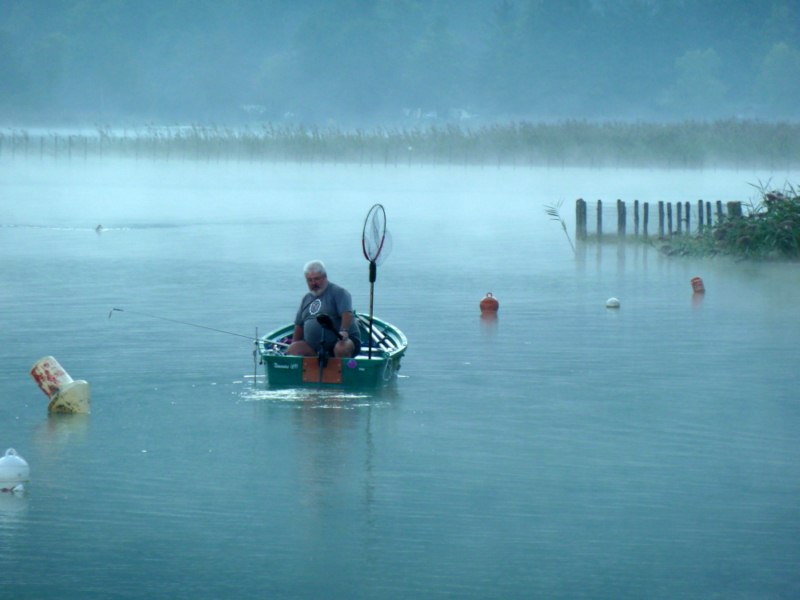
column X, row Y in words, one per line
column 347, row 321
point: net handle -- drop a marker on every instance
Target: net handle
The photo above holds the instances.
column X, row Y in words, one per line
column 372, row 261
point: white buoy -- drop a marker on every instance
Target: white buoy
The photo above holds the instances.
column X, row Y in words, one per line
column 66, row 395
column 14, row 471
column 612, row 303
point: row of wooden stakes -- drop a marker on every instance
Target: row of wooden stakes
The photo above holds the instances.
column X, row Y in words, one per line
column 673, row 218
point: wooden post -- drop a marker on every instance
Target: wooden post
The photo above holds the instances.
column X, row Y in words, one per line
column 599, row 219
column 580, row 219
column 688, row 210
column 720, row 215
column 646, row 215
column 700, row 224
column 708, row 214
column 621, row 218
column 636, row 218
column 734, row 210
column 669, row 218
column 661, row 218
column 680, row 217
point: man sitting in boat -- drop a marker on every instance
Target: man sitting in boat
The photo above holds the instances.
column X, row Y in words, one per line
column 324, row 298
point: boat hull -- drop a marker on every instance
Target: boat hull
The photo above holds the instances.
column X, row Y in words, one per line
column 376, row 366
column 295, row 371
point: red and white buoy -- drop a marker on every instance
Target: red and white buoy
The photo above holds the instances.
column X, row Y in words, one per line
column 489, row 304
column 697, row 285
column 66, row 395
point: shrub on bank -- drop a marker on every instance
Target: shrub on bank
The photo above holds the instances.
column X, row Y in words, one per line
column 769, row 230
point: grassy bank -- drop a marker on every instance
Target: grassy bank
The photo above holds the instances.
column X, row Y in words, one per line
column 723, row 144
column 769, row 230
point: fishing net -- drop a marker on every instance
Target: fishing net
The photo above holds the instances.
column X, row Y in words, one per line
column 376, row 241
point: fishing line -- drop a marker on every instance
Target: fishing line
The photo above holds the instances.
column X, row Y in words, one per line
column 133, row 312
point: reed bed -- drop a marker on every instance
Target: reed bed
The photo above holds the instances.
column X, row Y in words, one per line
column 729, row 143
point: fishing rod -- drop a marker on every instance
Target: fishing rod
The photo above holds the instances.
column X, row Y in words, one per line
column 142, row 314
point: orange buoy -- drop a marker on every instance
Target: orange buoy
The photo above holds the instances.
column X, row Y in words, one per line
column 697, row 285
column 489, row 303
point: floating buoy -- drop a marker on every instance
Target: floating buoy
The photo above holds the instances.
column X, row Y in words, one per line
column 489, row 303
column 697, row 286
column 14, row 471
column 66, row 395
column 612, row 303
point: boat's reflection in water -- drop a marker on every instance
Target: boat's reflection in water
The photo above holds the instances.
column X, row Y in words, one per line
column 322, row 398
column 331, row 445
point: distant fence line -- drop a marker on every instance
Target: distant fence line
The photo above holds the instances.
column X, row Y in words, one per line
column 672, row 218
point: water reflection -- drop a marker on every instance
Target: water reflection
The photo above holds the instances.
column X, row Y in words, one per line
column 489, row 324
column 331, row 449
column 315, row 398
column 581, row 249
column 13, row 507
column 639, row 250
column 60, row 430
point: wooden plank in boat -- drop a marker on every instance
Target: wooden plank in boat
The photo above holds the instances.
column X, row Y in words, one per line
column 332, row 373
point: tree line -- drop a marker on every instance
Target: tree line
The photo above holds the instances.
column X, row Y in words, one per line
column 357, row 62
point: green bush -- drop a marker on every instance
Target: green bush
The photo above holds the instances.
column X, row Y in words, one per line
column 769, row 230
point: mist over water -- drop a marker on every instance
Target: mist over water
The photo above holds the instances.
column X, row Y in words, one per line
column 563, row 450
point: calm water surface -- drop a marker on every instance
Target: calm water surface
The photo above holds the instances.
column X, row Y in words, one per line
column 564, row 450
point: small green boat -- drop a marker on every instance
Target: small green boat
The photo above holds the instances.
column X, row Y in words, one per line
column 376, row 365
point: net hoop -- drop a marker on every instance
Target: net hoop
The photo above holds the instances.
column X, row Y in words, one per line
column 374, row 234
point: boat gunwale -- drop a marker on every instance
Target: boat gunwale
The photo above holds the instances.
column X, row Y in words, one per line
column 387, row 329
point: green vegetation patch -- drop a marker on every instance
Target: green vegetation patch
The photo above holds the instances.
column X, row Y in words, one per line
column 770, row 230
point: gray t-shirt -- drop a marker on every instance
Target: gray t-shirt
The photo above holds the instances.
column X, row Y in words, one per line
column 334, row 301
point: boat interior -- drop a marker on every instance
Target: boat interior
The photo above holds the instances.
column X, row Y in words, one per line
column 379, row 341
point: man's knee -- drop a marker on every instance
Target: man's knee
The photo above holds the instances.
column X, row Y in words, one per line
column 300, row 348
column 344, row 349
